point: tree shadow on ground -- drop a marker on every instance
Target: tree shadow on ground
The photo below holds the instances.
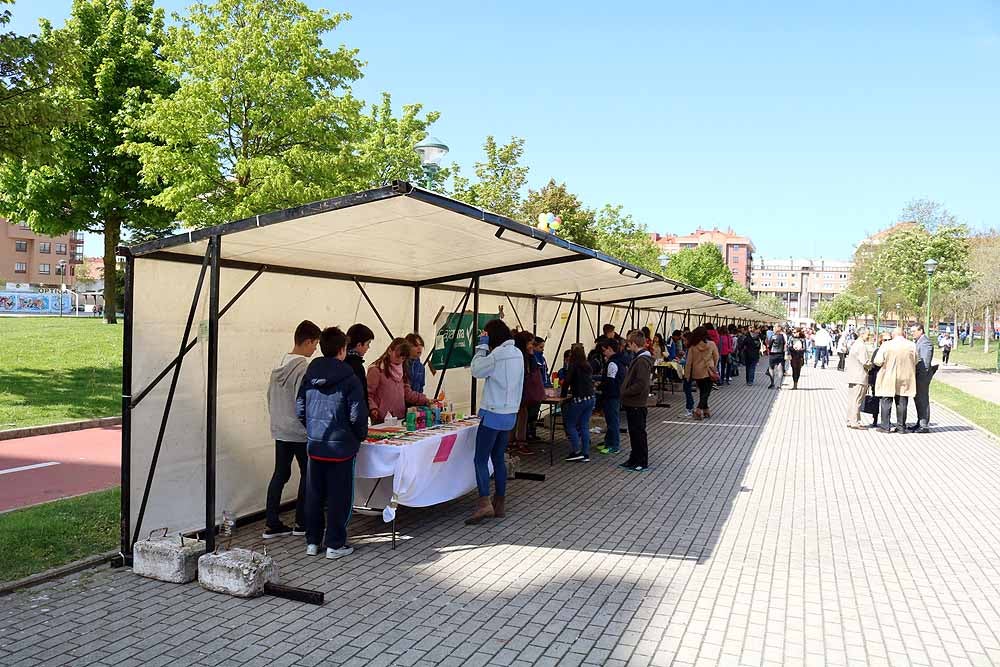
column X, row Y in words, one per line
column 78, row 393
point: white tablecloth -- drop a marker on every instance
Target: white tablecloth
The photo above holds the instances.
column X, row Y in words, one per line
column 432, row 470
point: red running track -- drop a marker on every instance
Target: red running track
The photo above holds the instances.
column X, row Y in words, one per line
column 88, row 460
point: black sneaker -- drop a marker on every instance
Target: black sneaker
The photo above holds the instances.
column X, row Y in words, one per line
column 574, row 457
column 281, row 530
column 298, row 530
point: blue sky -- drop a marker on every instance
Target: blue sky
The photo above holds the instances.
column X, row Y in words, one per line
column 804, row 127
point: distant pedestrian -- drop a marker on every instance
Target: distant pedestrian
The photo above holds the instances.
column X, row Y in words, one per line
column 821, row 347
column 776, row 357
column 896, row 381
column 749, row 351
column 945, row 342
column 797, row 355
column 843, row 348
column 857, row 377
column 924, row 374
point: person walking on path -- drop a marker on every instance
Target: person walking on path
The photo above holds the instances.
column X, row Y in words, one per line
column 857, row 377
column 843, row 349
column 797, row 355
column 635, row 396
column 925, row 373
column 776, row 358
column 702, row 359
column 945, row 342
column 821, row 346
column 497, row 361
column 749, row 352
column 288, row 432
column 897, row 381
column 579, row 389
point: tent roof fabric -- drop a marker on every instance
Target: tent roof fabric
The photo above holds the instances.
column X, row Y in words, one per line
column 407, row 236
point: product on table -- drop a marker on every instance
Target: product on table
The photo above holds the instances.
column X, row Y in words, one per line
column 411, row 420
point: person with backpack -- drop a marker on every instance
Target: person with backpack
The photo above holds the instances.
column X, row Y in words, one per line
column 797, row 355
column 776, row 357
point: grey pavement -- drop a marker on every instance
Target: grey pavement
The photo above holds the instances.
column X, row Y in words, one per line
column 977, row 383
column 770, row 534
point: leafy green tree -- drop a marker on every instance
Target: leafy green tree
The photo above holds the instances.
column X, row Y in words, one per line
column 772, row 304
column 498, row 180
column 578, row 222
column 738, row 293
column 386, row 147
column 29, row 70
column 263, row 119
column 897, row 264
column 87, row 181
column 619, row 235
column 845, row 306
column 702, row 267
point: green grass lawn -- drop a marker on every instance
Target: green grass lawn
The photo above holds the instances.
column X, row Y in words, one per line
column 976, row 410
column 58, row 369
column 45, row 536
column 973, row 357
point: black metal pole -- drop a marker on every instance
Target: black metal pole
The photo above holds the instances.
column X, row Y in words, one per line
column 374, row 309
column 212, row 397
column 597, row 331
column 451, row 344
column 569, row 316
column 534, row 314
column 579, row 304
column 475, row 335
column 416, row 310
column 126, row 466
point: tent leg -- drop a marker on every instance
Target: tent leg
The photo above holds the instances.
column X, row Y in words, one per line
column 512, row 309
column 474, row 399
column 416, row 310
column 212, row 397
column 126, row 467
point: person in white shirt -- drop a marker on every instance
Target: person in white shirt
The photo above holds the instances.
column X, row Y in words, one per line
column 821, row 347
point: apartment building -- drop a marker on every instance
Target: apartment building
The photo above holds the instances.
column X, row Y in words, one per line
column 800, row 283
column 35, row 259
column 736, row 250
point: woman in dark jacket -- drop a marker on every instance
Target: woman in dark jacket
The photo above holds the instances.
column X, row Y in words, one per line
column 579, row 389
column 749, row 349
column 532, row 393
column 797, row 355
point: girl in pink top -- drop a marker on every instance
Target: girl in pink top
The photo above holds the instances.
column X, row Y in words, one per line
column 389, row 389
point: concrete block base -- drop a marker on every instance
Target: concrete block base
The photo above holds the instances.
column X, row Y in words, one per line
column 239, row 572
column 172, row 559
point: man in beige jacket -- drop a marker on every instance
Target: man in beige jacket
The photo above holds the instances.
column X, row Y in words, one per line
column 897, row 379
column 858, row 355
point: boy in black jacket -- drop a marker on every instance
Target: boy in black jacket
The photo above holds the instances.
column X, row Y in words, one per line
column 331, row 406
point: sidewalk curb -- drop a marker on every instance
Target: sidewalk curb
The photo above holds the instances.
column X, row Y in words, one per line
column 9, row 587
column 65, row 427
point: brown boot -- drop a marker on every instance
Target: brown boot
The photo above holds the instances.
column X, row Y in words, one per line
column 499, row 509
column 484, row 510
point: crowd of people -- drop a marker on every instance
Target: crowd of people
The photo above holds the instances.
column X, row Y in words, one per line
column 320, row 408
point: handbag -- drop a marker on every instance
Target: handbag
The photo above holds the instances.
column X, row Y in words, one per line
column 871, row 405
column 534, row 389
column 713, row 374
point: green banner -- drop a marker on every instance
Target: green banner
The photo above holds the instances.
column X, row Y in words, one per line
column 459, row 329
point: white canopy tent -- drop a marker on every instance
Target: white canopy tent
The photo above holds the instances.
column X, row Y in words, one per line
column 213, row 310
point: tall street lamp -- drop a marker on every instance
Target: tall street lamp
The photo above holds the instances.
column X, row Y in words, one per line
column 664, row 260
column 878, row 309
column 718, row 288
column 930, row 266
column 431, row 151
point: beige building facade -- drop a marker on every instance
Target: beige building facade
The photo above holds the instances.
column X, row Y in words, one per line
column 802, row 284
column 35, row 259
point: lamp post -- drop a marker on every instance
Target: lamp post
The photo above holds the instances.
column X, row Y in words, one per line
column 62, row 271
column 718, row 288
column 664, row 260
column 431, row 151
column 878, row 309
column 930, row 266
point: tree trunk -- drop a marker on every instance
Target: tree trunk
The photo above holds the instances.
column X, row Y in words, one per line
column 112, row 234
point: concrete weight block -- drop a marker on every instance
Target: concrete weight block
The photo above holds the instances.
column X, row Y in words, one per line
column 238, row 572
column 165, row 558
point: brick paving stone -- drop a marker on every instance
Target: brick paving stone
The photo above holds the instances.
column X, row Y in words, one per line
column 768, row 534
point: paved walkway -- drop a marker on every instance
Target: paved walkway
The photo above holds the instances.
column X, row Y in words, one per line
column 977, row 383
column 47, row 467
column 768, row 535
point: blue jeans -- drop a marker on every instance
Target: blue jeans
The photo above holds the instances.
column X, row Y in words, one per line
column 751, row 371
column 689, row 394
column 576, row 417
column 491, row 445
column 612, row 415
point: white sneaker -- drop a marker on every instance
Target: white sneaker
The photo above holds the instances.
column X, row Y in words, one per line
column 345, row 550
column 312, row 550
column 688, row 413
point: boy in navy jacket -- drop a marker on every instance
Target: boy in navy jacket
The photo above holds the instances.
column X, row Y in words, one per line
column 331, row 405
column 610, row 387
